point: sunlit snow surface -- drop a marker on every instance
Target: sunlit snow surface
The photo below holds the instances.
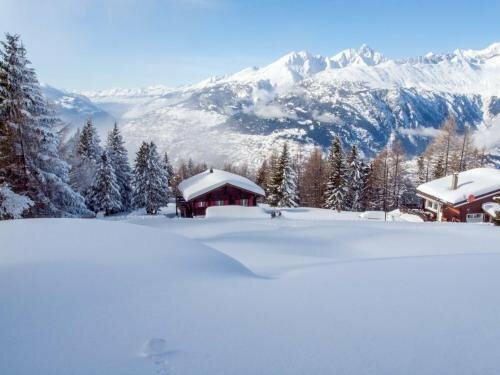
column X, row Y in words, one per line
column 310, row 292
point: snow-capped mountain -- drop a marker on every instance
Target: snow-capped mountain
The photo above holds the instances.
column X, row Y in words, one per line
column 358, row 94
column 74, row 109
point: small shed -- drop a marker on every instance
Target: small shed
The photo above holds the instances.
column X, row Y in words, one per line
column 215, row 187
column 459, row 197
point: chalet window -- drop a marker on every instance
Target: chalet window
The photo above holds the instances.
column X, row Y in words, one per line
column 218, row 203
column 201, row 204
column 243, row 202
column 428, row 204
column 475, row 218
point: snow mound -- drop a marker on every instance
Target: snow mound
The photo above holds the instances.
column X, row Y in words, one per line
column 47, row 241
column 80, row 296
column 213, row 179
column 395, row 215
column 236, row 212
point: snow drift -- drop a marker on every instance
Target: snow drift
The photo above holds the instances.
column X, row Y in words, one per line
column 362, row 297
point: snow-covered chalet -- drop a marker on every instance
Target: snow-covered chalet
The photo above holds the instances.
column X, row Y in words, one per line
column 215, row 187
column 459, row 197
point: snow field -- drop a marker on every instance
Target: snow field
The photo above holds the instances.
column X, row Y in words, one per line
column 322, row 297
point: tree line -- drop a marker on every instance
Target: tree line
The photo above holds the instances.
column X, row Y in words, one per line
column 340, row 180
column 41, row 176
column 104, row 177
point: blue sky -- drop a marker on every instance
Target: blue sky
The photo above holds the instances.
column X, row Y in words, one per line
column 97, row 44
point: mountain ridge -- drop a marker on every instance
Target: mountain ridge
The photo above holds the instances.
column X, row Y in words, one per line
column 305, row 99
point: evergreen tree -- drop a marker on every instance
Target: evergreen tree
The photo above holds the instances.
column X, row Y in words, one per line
column 150, row 180
column 169, row 170
column 30, row 162
column 371, row 197
column 354, row 181
column 89, row 148
column 336, row 186
column 86, row 160
column 283, row 188
column 104, row 194
column 139, row 172
column 15, row 93
column 118, row 156
column 365, row 176
column 438, row 171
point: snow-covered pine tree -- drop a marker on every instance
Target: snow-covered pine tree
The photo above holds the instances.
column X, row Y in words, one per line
column 89, row 145
column 288, row 187
column 12, row 205
column 118, row 157
column 336, row 185
column 13, row 107
column 169, row 170
column 371, row 198
column 104, row 193
column 268, row 174
column 151, row 189
column 365, row 176
column 283, row 185
column 31, row 164
column 354, row 199
column 158, row 190
column 139, row 179
column 88, row 154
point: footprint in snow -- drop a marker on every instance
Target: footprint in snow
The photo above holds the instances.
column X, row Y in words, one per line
column 156, row 349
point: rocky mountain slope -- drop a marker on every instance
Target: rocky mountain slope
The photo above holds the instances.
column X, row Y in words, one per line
column 306, row 99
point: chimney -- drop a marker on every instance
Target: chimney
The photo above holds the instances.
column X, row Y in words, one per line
column 454, row 181
column 211, row 170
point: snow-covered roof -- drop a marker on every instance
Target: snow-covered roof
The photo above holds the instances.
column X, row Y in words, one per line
column 207, row 181
column 491, row 208
column 477, row 182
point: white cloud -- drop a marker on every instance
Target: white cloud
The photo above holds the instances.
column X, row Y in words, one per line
column 420, row 132
column 265, row 107
column 324, row 117
column 488, row 134
column 270, row 111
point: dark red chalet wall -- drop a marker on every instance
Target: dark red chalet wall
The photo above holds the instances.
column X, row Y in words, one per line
column 460, row 213
column 227, row 195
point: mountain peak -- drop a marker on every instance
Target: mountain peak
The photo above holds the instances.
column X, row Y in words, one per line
column 492, row 50
column 364, row 55
column 297, row 58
